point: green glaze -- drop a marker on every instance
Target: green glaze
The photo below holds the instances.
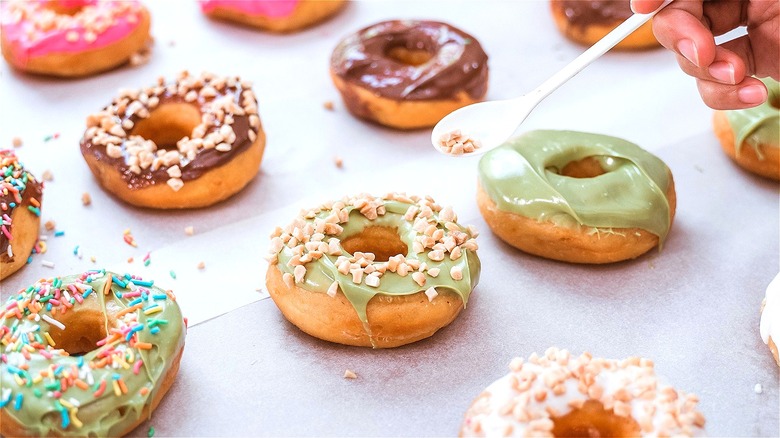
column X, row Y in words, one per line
column 107, row 414
column 759, row 125
column 320, row 274
column 521, row 177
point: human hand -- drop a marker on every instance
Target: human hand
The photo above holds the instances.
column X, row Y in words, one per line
column 723, row 73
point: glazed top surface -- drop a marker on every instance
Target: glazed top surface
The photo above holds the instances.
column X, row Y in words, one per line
column 103, row 391
column 514, row 405
column 34, row 30
column 457, row 61
column 263, row 8
column 440, row 253
column 229, row 124
column 522, row 177
column 18, row 189
column 583, row 13
column 758, row 126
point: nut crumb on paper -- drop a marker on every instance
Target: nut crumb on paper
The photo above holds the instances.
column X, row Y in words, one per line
column 50, row 225
column 189, row 230
column 17, row 142
column 47, row 175
column 86, row 199
column 328, row 105
column 349, row 374
column 338, row 161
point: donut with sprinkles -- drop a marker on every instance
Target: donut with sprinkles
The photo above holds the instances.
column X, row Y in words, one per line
column 21, row 195
column 90, row 354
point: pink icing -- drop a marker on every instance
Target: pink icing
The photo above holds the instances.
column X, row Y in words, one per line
column 116, row 20
column 264, row 8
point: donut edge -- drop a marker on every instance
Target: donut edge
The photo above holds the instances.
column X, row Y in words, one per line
column 747, row 159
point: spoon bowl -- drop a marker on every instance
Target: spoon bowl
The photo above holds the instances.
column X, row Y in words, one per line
column 489, row 124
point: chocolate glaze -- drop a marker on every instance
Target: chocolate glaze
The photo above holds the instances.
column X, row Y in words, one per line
column 33, row 189
column 205, row 160
column 458, row 62
column 583, row 13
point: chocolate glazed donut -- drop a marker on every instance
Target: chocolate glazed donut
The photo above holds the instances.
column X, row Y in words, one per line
column 587, row 21
column 409, row 74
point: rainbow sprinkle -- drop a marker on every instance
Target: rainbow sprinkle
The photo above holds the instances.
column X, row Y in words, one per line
column 129, row 239
column 14, row 184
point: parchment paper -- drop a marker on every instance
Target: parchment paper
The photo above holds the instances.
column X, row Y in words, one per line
column 692, row 308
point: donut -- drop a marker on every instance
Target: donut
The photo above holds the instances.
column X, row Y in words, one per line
column 187, row 144
column 560, row 395
column 409, row 74
column 770, row 317
column 90, row 354
column 751, row 137
column 273, row 15
column 576, row 197
column 587, row 21
column 373, row 271
column 71, row 38
column 21, row 196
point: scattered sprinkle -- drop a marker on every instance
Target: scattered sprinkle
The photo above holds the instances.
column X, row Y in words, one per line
column 150, row 434
column 130, row 260
column 758, row 388
column 17, row 142
column 129, row 239
column 202, row 265
column 147, row 259
column 173, row 274
column 328, row 104
column 77, row 251
column 54, row 136
column 59, row 233
column 349, row 374
column 47, row 264
column 93, row 259
column 86, row 199
column 338, row 161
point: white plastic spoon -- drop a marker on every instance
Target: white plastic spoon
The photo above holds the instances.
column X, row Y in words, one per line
column 491, row 123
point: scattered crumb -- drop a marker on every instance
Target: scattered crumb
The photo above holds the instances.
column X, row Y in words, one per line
column 47, row 175
column 86, row 199
column 127, row 236
column 130, row 260
column 758, row 388
column 338, row 161
column 328, row 105
column 202, row 265
column 17, row 142
column 173, row 274
column 457, row 143
column 349, row 374
column 93, row 259
column 142, row 56
column 50, row 225
column 189, row 230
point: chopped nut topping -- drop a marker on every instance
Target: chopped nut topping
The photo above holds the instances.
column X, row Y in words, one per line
column 520, row 399
column 457, row 143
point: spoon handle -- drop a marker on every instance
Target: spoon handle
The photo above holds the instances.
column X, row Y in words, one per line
column 601, row 47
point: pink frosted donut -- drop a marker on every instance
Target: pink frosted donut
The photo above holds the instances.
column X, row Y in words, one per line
column 72, row 38
column 273, row 15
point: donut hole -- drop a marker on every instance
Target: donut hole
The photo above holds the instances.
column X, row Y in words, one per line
column 592, row 420
column 588, row 167
column 168, row 124
column 383, row 242
column 407, row 56
column 64, row 7
column 83, row 330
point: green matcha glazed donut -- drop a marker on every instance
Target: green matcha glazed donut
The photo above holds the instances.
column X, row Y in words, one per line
column 86, row 355
column 576, row 197
column 373, row 271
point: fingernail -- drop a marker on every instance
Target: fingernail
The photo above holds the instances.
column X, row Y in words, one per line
column 688, row 49
column 723, row 71
column 752, row 94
